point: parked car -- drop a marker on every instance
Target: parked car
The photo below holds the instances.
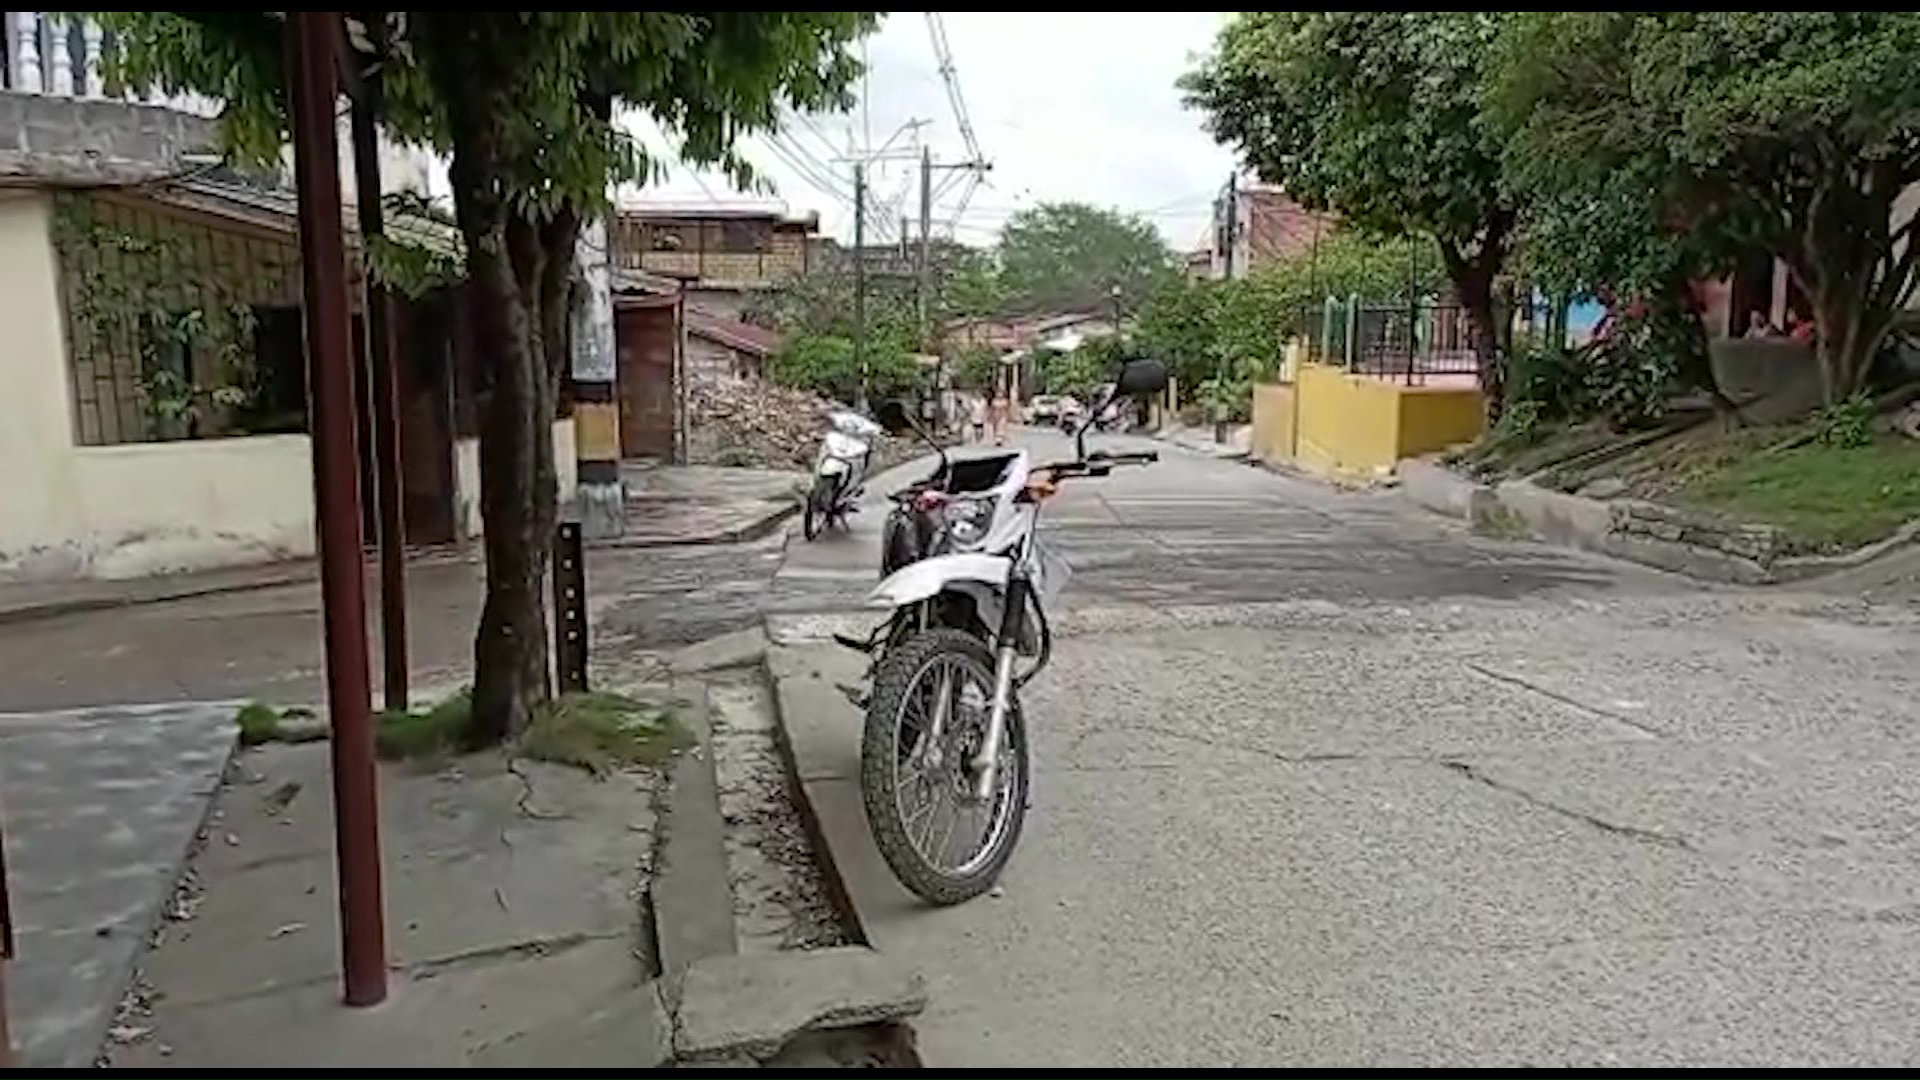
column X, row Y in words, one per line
column 1044, row 408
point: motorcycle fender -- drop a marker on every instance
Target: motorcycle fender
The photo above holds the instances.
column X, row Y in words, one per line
column 929, row 577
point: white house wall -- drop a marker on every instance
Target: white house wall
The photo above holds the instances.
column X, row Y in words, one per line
column 466, row 477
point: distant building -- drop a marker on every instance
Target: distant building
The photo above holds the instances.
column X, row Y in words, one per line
column 1267, row 228
column 723, row 254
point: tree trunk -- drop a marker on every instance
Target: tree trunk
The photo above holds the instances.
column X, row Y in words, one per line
column 1473, row 278
column 510, row 677
column 1849, row 338
column 1475, row 289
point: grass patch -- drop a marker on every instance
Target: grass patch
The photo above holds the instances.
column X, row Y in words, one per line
column 602, row 733
column 1824, row 497
column 259, row 724
column 440, row 731
column 598, row 732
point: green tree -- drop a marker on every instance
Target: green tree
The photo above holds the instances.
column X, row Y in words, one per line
column 1082, row 371
column 1176, row 325
column 1202, row 328
column 973, row 367
column 1071, row 256
column 1794, row 131
column 524, row 102
column 1375, row 115
column 827, row 364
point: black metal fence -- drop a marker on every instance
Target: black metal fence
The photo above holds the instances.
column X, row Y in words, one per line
column 1404, row 342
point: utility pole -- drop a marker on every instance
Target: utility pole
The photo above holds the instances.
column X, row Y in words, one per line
column 860, row 277
column 312, row 40
column 924, row 262
column 1233, row 242
column 382, row 349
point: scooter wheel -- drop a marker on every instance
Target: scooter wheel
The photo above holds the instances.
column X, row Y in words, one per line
column 813, row 516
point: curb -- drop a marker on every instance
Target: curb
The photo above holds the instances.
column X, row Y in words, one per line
column 1214, row 450
column 1580, row 523
column 759, row 528
column 156, row 917
column 839, row 893
column 48, row 609
column 303, row 572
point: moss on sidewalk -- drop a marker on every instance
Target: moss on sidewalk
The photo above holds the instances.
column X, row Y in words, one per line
column 599, row 732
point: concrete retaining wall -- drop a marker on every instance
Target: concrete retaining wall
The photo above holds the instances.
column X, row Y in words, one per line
column 1662, row 537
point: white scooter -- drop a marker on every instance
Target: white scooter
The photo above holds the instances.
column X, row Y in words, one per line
column 839, row 470
column 943, row 718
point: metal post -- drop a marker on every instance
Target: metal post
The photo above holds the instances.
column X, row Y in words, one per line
column 1233, row 241
column 923, row 265
column 1413, row 305
column 313, row 39
column 383, row 349
column 860, row 278
column 6, row 957
column 570, row 608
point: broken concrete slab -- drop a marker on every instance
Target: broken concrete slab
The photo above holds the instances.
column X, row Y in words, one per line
column 741, row 648
column 753, row 1006
column 564, row 1007
column 631, row 1030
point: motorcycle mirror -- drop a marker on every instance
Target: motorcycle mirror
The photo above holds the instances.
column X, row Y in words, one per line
column 893, row 416
column 1138, row 377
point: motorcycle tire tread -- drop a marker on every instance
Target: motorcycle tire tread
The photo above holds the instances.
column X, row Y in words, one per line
column 892, row 678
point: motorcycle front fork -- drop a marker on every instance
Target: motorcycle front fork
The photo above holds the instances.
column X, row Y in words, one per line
column 986, row 764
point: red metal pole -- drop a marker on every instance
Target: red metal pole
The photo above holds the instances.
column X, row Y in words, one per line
column 383, row 348
column 313, row 40
column 6, row 956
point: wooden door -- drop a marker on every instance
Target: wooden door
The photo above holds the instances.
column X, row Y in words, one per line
column 647, row 338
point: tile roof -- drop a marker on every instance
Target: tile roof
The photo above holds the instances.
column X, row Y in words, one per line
column 733, row 333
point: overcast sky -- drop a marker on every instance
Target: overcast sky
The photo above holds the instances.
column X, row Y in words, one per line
column 1066, row 105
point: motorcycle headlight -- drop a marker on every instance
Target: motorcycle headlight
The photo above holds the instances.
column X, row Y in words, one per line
column 965, row 521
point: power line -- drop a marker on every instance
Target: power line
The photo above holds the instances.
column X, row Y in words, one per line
column 950, row 77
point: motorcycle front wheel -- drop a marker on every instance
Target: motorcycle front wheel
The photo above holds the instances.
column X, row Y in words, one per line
column 943, row 844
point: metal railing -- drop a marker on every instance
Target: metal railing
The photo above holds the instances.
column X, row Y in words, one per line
column 1409, row 342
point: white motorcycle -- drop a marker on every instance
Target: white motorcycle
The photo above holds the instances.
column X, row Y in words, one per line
column 944, row 726
column 839, row 470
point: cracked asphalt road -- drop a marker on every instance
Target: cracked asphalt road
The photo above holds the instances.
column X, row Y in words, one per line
column 1325, row 782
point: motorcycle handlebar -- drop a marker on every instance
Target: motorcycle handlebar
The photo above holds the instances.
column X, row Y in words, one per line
column 1099, row 463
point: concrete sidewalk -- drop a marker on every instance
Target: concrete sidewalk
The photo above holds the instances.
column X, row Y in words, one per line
column 667, row 506
column 101, row 807
column 515, row 926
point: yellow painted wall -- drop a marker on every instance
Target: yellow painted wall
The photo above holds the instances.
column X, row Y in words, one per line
column 1354, row 425
column 1433, row 418
column 1273, row 422
column 119, row 511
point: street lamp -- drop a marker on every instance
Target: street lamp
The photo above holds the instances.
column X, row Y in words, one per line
column 1113, row 294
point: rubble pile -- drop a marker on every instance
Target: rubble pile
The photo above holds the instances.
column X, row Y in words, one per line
column 757, row 424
